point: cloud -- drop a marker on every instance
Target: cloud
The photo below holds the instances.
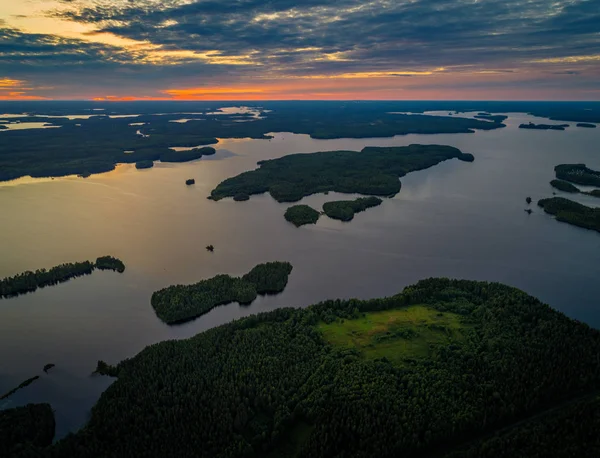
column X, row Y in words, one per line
column 179, row 42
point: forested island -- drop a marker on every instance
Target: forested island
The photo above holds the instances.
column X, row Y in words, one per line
column 299, row 215
column 564, row 186
column 181, row 303
column 24, row 384
column 586, row 124
column 543, row 126
column 567, row 211
column 447, row 368
column 30, row 281
column 578, row 173
column 372, row 171
column 345, row 210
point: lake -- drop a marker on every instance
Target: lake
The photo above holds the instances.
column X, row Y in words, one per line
column 457, row 219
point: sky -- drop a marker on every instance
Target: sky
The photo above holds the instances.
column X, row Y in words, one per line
column 307, row 50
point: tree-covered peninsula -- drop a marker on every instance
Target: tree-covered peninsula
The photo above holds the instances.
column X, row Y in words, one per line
column 445, row 367
column 181, row 303
column 345, row 210
column 29, row 281
column 299, row 215
column 567, row 211
column 578, row 173
column 372, row 171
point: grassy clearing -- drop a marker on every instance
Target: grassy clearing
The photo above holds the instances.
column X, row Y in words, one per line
column 399, row 334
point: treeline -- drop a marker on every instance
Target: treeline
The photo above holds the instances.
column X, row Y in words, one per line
column 543, row 126
column 372, row 171
column 25, row 431
column 345, row 210
column 29, row 281
column 180, row 303
column 567, row 211
column 269, row 385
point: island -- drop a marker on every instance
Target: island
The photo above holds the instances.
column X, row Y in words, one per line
column 491, row 117
column 180, row 303
column 24, row 384
column 528, row 200
column 110, row 263
column 299, row 215
column 446, row 368
column 586, row 124
column 29, row 281
column 578, row 173
column 372, row 171
column 187, row 155
column 210, row 248
column 48, row 366
column 574, row 213
column 344, row 210
column 144, row 165
column 26, row 431
column 564, row 186
column 543, row 126
column 190, row 181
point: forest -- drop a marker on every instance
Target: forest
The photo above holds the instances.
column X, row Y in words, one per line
column 372, row 171
column 97, row 144
column 299, row 215
column 25, row 429
column 567, row 211
column 586, row 124
column 447, row 368
column 180, row 303
column 29, row 281
column 578, row 173
column 345, row 210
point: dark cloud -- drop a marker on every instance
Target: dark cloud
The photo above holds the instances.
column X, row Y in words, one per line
column 319, row 36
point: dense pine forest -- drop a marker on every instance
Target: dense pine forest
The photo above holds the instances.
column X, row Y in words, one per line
column 578, row 173
column 29, row 281
column 446, row 368
column 372, row 171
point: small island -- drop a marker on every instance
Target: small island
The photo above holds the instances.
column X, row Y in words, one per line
column 564, row 186
column 578, row 173
column 210, row 248
column 190, row 181
column 29, row 281
column 181, row 303
column 299, row 215
column 543, row 126
column 186, row 156
column 372, row 171
column 144, row 165
column 110, row 263
column 49, row 366
column 344, row 210
column 574, row 213
column 528, row 200
column 491, row 117
column 586, row 124
column 24, row 384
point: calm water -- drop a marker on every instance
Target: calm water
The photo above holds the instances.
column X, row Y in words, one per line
column 457, row 219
